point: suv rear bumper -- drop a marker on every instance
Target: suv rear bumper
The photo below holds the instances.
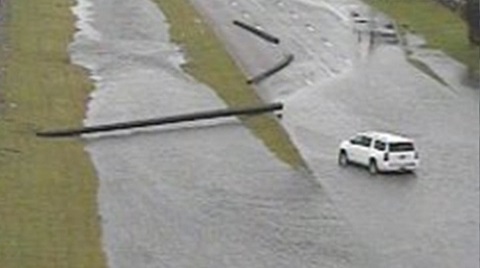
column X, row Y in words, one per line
column 398, row 166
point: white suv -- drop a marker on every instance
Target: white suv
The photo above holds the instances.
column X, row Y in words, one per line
column 379, row 152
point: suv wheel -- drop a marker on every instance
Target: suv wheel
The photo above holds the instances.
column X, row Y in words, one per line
column 343, row 159
column 372, row 167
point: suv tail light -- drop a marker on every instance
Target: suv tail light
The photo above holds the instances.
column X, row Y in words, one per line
column 416, row 155
column 385, row 157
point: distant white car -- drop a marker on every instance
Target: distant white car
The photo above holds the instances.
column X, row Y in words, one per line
column 379, row 152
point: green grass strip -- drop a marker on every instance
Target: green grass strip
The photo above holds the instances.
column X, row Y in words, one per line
column 209, row 63
column 442, row 28
column 48, row 189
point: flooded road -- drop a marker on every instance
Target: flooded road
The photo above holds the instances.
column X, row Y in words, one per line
column 343, row 82
column 211, row 195
column 422, row 219
column 204, row 194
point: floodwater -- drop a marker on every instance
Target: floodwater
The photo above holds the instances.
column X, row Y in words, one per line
column 210, row 194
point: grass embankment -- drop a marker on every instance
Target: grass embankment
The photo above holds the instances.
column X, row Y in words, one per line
column 48, row 189
column 442, row 28
column 209, row 63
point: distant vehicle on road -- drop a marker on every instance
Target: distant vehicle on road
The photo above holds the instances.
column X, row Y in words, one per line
column 388, row 33
column 380, row 152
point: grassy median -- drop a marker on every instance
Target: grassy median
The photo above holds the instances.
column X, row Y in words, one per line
column 209, row 63
column 442, row 28
column 48, row 189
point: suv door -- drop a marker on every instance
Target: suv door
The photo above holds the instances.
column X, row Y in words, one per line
column 359, row 149
column 364, row 150
column 353, row 150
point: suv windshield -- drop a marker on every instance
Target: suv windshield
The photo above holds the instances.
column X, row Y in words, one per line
column 401, row 147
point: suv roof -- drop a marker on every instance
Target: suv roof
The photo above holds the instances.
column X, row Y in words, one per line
column 387, row 137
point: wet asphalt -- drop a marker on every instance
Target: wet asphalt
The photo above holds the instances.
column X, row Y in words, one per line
column 212, row 195
column 429, row 218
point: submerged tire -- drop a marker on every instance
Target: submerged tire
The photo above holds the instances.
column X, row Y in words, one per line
column 343, row 159
column 372, row 167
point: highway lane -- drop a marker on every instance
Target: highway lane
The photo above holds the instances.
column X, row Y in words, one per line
column 340, row 84
column 212, row 195
column 203, row 194
column 422, row 219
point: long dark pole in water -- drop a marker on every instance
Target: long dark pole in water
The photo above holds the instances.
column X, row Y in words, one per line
column 275, row 69
column 162, row 121
column 262, row 34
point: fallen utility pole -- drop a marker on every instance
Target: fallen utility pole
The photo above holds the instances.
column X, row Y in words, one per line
column 279, row 66
column 163, row 121
column 264, row 35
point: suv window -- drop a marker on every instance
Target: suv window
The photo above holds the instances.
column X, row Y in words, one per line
column 380, row 145
column 362, row 141
column 357, row 140
column 366, row 141
column 401, row 147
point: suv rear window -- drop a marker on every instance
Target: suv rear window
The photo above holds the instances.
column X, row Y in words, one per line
column 401, row 147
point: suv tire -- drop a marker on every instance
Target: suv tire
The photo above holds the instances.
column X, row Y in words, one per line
column 372, row 167
column 343, row 159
